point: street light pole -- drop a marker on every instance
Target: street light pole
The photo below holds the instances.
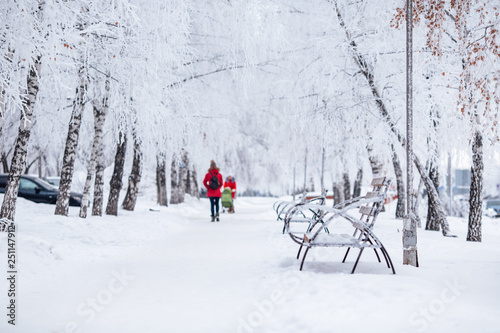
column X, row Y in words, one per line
column 409, row 223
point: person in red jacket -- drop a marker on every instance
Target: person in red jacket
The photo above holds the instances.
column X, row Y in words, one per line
column 213, row 182
column 231, row 183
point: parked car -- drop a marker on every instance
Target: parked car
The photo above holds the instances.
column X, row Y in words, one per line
column 493, row 207
column 38, row 190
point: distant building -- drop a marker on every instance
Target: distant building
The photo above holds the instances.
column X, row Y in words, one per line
column 462, row 182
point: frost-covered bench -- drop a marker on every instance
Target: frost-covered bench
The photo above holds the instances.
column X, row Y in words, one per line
column 291, row 213
column 361, row 236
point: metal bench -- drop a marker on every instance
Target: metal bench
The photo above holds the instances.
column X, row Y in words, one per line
column 369, row 206
column 290, row 212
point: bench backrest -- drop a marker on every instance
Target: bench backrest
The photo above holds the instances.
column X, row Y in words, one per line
column 369, row 212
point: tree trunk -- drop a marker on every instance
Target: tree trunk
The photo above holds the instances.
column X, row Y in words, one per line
column 98, row 190
column 5, row 163
column 398, row 171
column 375, row 164
column 356, row 192
column 40, row 166
column 416, row 203
column 434, row 198
column 161, row 181
column 3, row 93
column 338, row 193
column 188, row 182
column 365, row 69
column 17, row 165
column 100, row 112
column 2, row 108
column 69, row 157
column 476, row 190
column 184, row 175
column 134, row 178
column 88, row 181
column 116, row 180
column 195, row 192
column 347, row 186
column 431, row 223
column 177, row 181
column 28, row 167
column 174, row 177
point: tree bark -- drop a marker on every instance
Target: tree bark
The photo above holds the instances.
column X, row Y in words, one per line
column 178, row 174
column 431, row 223
column 184, row 175
column 134, row 178
column 366, row 70
column 18, row 163
column 40, row 166
column 2, row 108
column 195, row 192
column 88, row 181
column 476, row 190
column 5, row 163
column 398, row 171
column 338, row 193
column 161, row 181
column 191, row 184
column 116, row 180
column 98, row 189
column 356, row 192
column 69, row 157
column 174, row 180
column 347, row 186
column 416, row 203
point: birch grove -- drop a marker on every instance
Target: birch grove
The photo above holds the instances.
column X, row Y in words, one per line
column 284, row 96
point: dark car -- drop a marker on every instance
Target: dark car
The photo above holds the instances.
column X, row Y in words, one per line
column 38, row 190
column 493, row 207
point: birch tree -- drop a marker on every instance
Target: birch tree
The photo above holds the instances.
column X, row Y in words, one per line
column 115, row 184
column 161, row 181
column 62, row 202
column 134, row 178
column 96, row 163
column 19, row 158
column 28, row 98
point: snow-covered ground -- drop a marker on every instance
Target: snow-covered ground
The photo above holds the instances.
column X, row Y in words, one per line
column 171, row 270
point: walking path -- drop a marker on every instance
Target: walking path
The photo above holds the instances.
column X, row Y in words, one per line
column 174, row 271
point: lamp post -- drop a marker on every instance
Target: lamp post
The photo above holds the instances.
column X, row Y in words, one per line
column 409, row 223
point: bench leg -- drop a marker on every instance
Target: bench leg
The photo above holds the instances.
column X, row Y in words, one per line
column 346, row 253
column 348, row 249
column 388, row 259
column 385, row 257
column 304, row 258
column 357, row 260
column 300, row 249
column 374, row 249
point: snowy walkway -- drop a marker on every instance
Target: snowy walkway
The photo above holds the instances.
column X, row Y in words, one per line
column 173, row 271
